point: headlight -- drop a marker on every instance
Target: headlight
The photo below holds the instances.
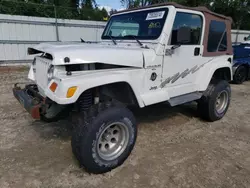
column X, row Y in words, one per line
column 50, row 72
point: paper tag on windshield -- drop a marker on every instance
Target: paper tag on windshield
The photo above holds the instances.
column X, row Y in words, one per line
column 155, row 15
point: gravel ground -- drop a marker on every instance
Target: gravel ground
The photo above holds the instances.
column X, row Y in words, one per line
column 174, row 148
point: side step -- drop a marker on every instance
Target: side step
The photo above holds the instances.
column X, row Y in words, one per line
column 184, row 98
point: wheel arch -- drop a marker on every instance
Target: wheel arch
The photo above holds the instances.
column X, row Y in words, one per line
column 223, row 73
column 87, row 82
column 120, row 91
column 217, row 72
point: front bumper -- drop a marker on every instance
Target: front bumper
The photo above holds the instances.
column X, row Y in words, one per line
column 30, row 99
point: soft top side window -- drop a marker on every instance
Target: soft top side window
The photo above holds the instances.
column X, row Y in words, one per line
column 217, row 37
column 191, row 21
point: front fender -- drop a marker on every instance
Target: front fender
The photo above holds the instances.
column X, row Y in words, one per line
column 209, row 69
column 93, row 79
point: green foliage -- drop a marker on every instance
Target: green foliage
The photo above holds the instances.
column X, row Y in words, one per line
column 113, row 11
column 23, row 8
column 140, row 3
column 238, row 10
column 65, row 9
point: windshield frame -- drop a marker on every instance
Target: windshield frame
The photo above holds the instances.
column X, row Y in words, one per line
column 106, row 37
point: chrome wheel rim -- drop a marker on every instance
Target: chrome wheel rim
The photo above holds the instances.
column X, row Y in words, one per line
column 112, row 141
column 221, row 102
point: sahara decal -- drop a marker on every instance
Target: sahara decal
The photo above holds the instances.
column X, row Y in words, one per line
column 153, row 66
column 153, row 88
column 178, row 75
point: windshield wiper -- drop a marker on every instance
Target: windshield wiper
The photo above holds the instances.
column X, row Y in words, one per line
column 115, row 43
column 133, row 36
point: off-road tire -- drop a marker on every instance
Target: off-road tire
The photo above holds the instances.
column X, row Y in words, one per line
column 207, row 104
column 240, row 75
column 89, row 127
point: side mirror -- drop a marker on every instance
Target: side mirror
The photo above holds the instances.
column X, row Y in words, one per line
column 184, row 35
column 245, row 38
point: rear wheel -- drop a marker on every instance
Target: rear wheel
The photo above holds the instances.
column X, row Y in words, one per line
column 104, row 137
column 240, row 75
column 215, row 102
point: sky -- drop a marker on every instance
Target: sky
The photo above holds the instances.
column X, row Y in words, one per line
column 108, row 4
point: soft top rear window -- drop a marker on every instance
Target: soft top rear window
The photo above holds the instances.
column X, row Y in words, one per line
column 217, row 38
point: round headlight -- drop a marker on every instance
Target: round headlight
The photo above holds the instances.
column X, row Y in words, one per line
column 50, row 72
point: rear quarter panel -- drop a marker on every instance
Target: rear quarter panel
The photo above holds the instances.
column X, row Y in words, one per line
column 209, row 68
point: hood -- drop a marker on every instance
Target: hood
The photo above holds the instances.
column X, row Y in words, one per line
column 85, row 53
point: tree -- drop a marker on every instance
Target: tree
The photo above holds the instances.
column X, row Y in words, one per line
column 74, row 4
column 239, row 10
column 130, row 3
column 104, row 13
column 89, row 3
column 113, row 11
column 140, row 3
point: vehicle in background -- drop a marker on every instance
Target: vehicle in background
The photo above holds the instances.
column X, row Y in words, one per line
column 241, row 63
column 247, row 39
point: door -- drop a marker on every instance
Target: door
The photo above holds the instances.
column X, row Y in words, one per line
column 183, row 58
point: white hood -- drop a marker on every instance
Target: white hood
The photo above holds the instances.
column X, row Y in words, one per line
column 81, row 53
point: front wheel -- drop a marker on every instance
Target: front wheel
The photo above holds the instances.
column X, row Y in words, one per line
column 216, row 100
column 104, row 137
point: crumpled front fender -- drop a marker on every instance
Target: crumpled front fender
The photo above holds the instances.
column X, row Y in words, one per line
column 91, row 79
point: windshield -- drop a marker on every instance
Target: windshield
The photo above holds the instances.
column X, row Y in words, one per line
column 143, row 25
column 248, row 38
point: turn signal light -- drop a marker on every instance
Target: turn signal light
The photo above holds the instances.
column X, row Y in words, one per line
column 71, row 91
column 53, row 87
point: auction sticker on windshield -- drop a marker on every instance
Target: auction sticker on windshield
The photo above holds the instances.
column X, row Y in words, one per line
column 155, row 15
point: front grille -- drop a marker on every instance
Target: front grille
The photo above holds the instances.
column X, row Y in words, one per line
column 42, row 66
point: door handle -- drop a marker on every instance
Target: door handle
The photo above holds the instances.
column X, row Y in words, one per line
column 196, row 51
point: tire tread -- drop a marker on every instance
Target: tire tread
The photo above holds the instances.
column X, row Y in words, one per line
column 204, row 104
column 84, row 127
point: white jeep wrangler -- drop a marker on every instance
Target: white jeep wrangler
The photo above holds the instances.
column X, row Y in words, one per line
column 164, row 53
